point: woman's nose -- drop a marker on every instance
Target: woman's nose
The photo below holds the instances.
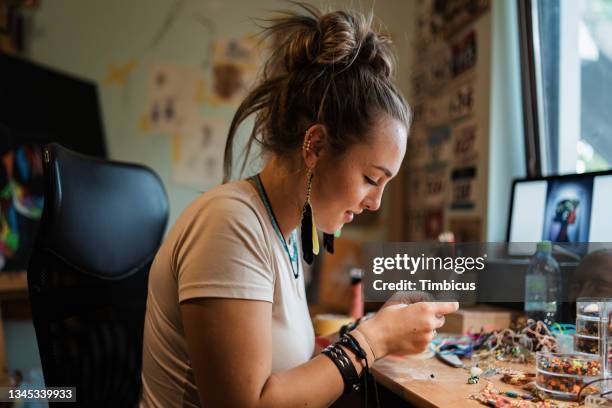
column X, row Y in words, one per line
column 372, row 201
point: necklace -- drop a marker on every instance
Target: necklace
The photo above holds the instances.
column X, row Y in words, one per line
column 293, row 257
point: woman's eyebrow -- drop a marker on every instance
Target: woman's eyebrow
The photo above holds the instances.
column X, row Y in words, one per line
column 384, row 170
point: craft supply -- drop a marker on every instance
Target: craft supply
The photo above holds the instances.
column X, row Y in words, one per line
column 492, row 397
column 518, row 377
column 572, row 364
column 563, row 386
column 450, row 359
column 586, row 344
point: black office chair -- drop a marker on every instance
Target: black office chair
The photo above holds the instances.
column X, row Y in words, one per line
column 101, row 226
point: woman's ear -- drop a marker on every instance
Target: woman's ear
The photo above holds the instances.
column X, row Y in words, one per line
column 314, row 143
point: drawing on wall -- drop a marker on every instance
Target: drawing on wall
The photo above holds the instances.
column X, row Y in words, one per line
column 434, row 223
column 464, row 53
column 173, row 97
column 118, row 74
column 21, row 202
column 464, row 188
column 234, row 68
column 198, row 156
column 465, row 143
column 439, row 146
column 461, row 101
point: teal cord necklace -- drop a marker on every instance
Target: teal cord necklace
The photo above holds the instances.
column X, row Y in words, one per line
column 293, row 257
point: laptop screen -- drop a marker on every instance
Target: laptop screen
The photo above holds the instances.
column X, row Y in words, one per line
column 572, row 209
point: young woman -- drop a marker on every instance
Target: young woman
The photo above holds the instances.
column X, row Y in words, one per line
column 227, row 322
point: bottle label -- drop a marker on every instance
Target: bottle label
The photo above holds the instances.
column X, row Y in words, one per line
column 535, row 293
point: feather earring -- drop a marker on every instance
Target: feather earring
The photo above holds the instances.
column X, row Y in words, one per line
column 310, row 241
column 328, row 242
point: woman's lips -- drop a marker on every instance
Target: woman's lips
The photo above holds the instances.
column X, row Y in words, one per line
column 348, row 216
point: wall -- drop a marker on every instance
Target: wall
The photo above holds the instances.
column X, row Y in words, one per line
column 85, row 37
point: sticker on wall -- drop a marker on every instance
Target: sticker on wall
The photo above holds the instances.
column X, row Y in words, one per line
column 172, row 97
column 464, row 53
column 436, row 187
column 465, row 143
column 466, row 229
column 440, row 149
column 434, row 223
column 234, row 68
column 198, row 158
column 461, row 101
column 118, row 74
column 463, row 188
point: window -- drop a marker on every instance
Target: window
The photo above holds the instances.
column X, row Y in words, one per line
column 567, row 85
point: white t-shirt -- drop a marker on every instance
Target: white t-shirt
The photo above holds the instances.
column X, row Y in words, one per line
column 222, row 245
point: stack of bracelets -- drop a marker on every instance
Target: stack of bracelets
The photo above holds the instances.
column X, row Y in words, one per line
column 351, row 379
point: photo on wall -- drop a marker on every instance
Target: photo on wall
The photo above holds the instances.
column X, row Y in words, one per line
column 568, row 210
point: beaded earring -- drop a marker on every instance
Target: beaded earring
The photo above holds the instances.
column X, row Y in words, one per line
column 309, row 235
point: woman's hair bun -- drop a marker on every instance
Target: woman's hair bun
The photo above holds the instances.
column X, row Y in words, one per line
column 337, row 40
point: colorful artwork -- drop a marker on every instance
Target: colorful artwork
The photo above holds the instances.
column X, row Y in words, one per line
column 568, row 211
column 21, row 201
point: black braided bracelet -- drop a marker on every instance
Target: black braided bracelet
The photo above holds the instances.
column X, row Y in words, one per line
column 348, row 327
column 351, row 343
column 345, row 365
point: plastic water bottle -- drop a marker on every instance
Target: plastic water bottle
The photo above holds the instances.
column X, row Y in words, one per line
column 543, row 285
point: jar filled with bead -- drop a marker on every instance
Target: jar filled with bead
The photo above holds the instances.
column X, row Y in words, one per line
column 563, row 375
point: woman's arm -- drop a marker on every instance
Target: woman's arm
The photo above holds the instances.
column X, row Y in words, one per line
column 232, row 353
column 230, row 345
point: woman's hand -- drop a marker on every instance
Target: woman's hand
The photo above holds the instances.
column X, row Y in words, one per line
column 405, row 328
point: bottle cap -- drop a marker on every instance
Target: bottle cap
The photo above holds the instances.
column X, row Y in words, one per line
column 544, row 246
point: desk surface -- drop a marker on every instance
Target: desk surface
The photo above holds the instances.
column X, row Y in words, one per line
column 13, row 283
column 410, row 378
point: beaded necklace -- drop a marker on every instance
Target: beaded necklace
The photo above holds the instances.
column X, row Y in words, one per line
column 293, row 257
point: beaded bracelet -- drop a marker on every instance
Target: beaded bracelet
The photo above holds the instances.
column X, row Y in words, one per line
column 345, row 365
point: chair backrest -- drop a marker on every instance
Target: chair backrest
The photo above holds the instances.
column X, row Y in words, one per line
column 101, row 226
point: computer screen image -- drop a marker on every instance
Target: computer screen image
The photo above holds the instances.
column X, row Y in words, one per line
column 564, row 209
column 38, row 105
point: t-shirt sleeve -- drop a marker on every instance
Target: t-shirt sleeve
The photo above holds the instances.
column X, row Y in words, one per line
column 223, row 253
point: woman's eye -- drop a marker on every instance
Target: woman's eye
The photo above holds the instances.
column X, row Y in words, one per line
column 370, row 181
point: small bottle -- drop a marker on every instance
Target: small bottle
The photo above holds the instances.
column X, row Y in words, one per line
column 543, row 286
column 357, row 305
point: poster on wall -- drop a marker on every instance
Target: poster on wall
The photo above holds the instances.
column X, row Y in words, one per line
column 463, row 188
column 465, row 143
column 172, row 96
column 440, row 148
column 234, row 68
column 434, row 223
column 198, row 158
column 436, row 187
column 447, row 17
column 461, row 101
column 464, row 53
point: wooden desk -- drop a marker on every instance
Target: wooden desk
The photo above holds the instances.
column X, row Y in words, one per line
column 410, row 379
column 13, row 285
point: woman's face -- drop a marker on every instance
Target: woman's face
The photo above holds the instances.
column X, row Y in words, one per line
column 343, row 187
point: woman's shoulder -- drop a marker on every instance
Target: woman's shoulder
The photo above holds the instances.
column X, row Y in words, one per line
column 227, row 203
